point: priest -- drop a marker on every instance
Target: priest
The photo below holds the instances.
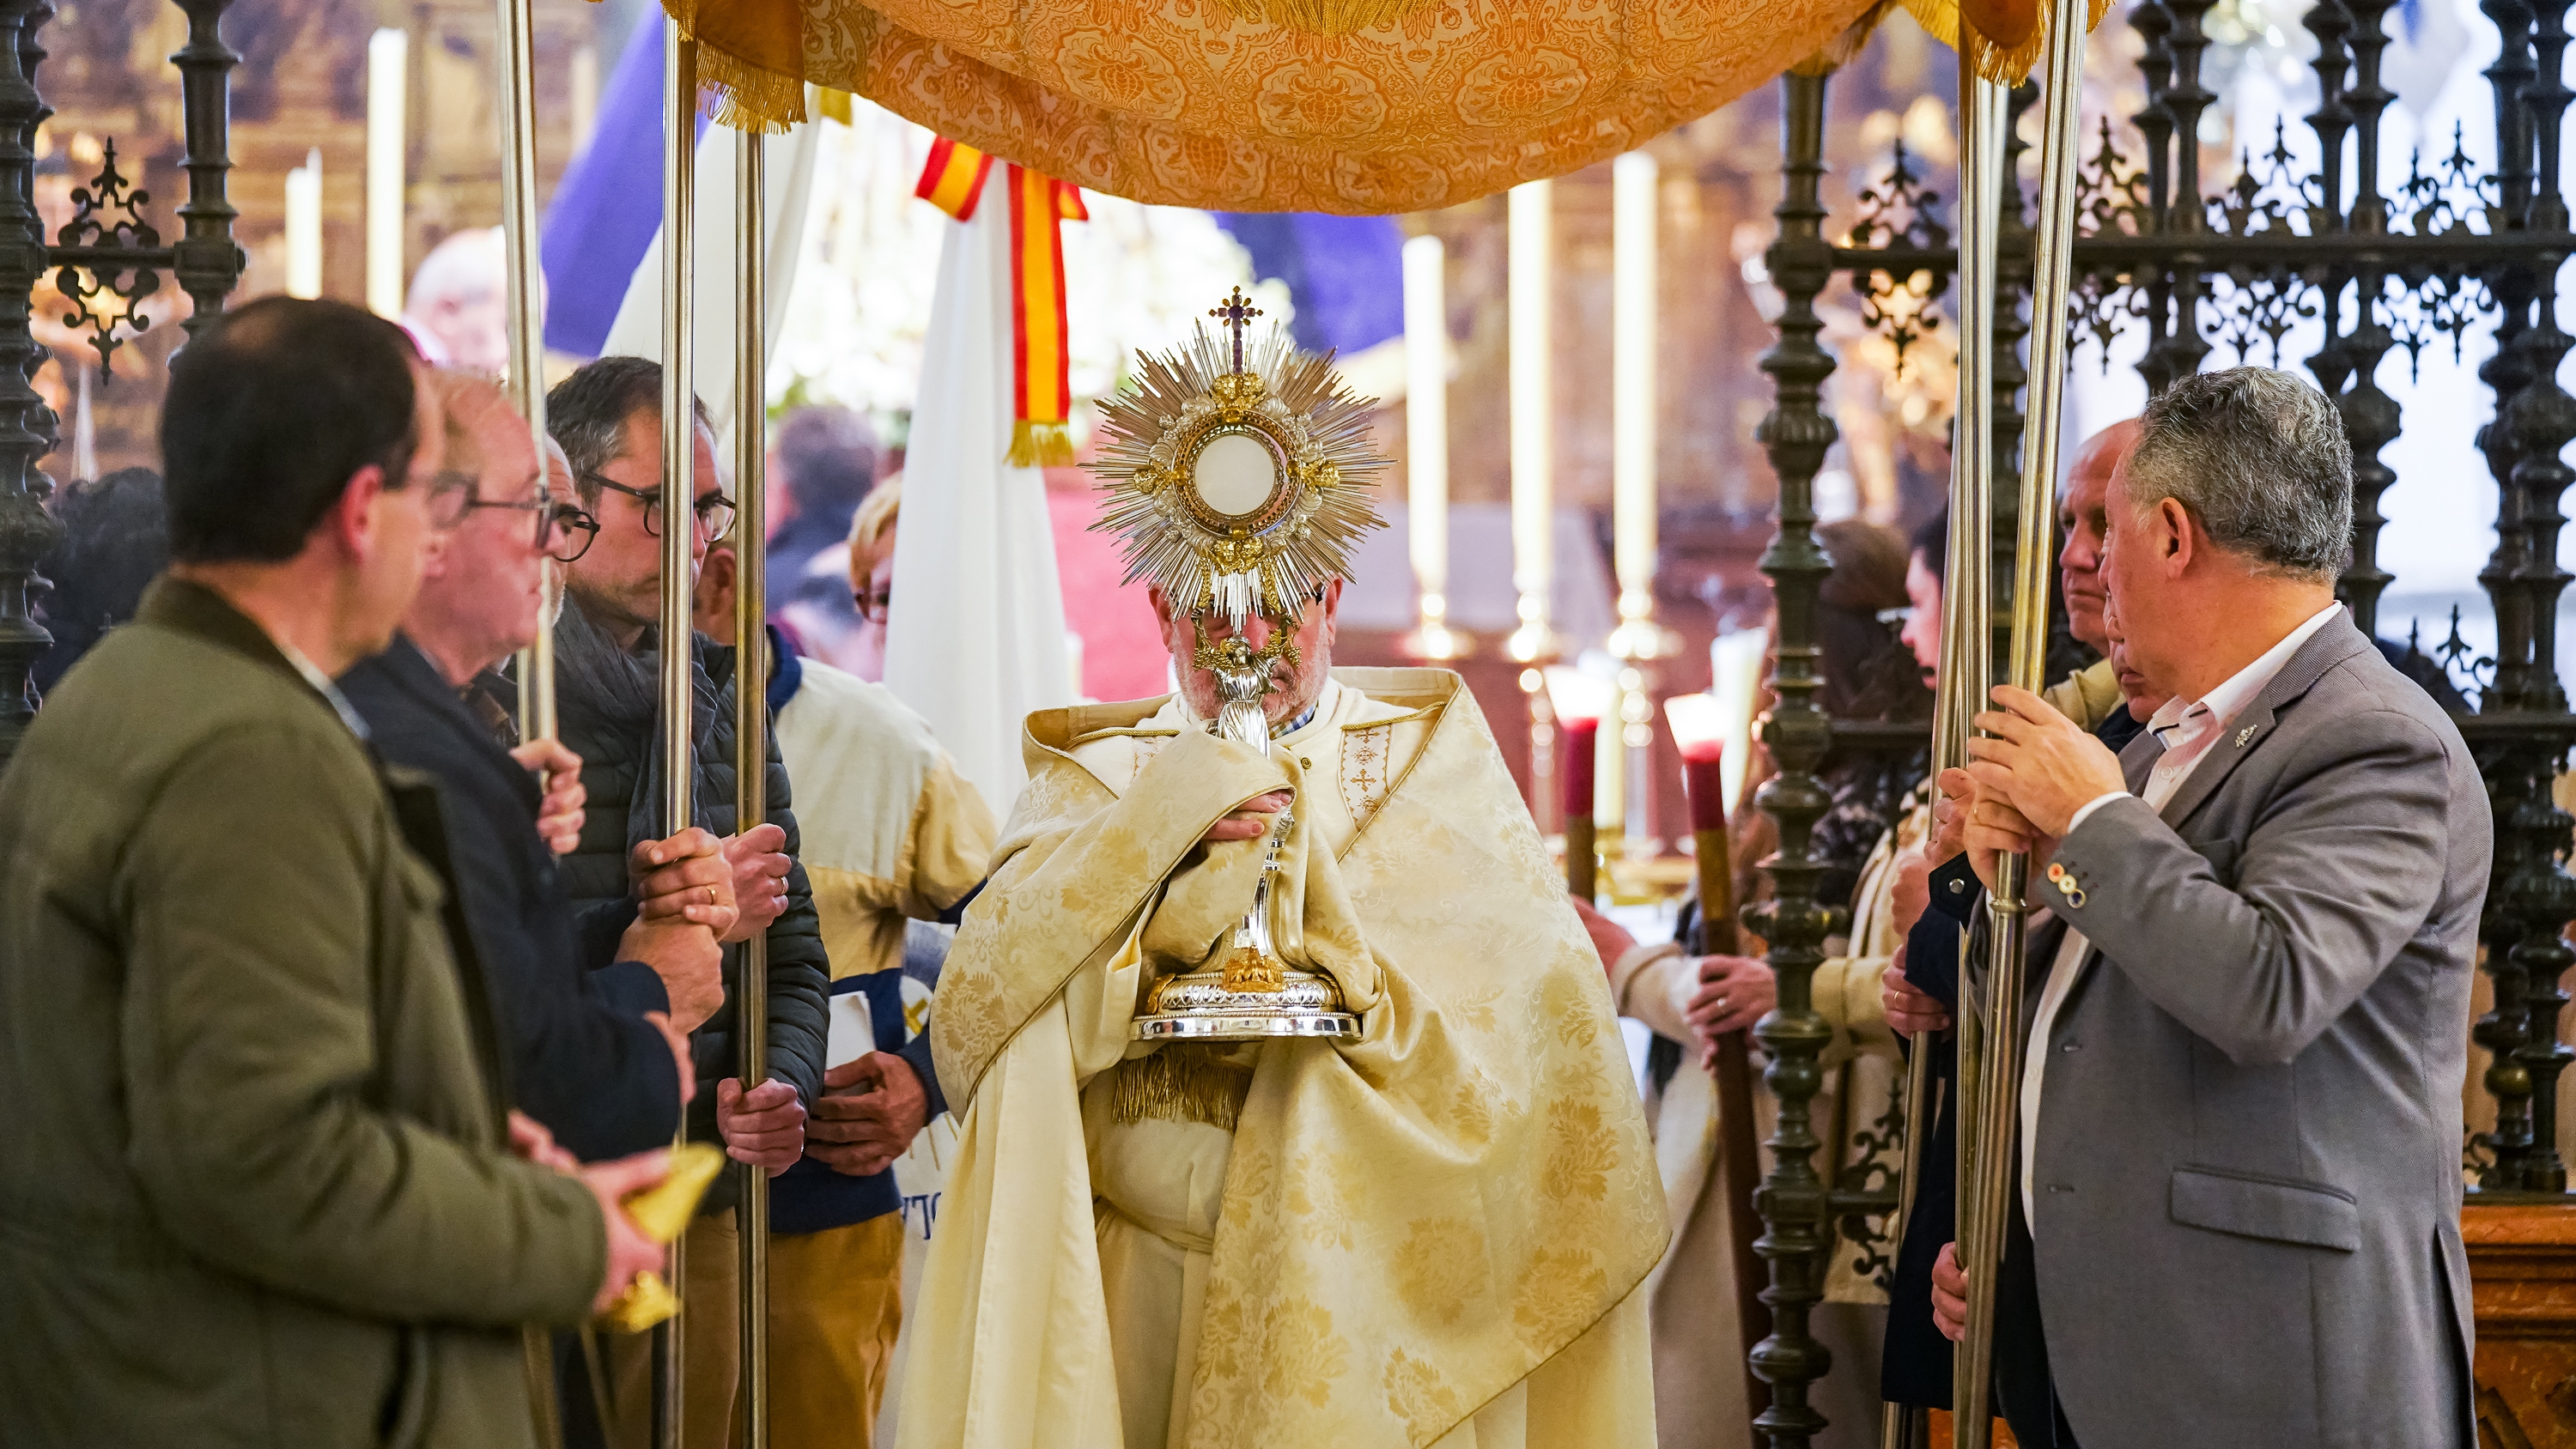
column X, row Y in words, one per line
column 1293, row 1110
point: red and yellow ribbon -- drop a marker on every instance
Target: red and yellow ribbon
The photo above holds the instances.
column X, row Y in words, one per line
column 1041, row 379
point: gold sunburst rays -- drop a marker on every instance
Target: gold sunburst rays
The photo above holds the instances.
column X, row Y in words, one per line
column 1182, row 462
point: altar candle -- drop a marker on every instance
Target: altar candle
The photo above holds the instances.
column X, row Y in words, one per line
column 1426, row 410
column 1581, row 701
column 388, row 54
column 1530, row 286
column 1700, row 733
column 304, row 228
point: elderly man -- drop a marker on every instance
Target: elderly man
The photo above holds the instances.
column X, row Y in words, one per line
column 608, row 417
column 598, row 1057
column 257, row 1188
column 2237, row 1193
column 1426, row 1232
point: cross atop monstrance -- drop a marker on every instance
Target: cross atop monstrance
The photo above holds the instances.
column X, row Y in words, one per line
column 1237, row 313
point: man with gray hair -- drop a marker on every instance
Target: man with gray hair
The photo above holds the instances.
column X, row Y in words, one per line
column 2236, row 1201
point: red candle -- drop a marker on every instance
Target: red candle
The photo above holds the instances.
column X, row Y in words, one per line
column 1574, row 764
column 1704, row 782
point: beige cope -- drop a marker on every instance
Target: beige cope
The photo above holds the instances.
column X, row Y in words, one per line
column 1431, row 1234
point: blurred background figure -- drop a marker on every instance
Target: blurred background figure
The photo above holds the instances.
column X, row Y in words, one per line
column 455, row 310
column 871, row 578
column 116, row 539
column 821, row 468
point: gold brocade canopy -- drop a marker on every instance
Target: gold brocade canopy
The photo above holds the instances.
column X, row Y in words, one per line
column 1258, row 105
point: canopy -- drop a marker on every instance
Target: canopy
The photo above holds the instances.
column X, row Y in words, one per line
column 1354, row 106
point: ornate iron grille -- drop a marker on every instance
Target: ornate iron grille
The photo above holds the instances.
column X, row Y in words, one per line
column 96, row 256
column 2237, row 269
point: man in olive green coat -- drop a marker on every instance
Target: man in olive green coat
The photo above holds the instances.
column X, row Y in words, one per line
column 255, row 1189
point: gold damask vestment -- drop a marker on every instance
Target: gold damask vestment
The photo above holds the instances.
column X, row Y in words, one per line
column 1431, row 1234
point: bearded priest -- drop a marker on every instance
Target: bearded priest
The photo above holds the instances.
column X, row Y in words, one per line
column 1294, row 1113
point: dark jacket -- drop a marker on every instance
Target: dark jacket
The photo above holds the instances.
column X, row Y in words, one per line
column 576, row 1052
column 253, row 1190
column 605, row 701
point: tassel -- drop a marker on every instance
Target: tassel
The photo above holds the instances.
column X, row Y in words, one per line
column 1182, row 1082
column 1041, row 445
column 746, row 97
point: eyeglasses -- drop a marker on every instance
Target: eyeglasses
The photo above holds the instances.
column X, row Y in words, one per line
column 449, row 497
column 714, row 510
column 873, row 603
column 564, row 532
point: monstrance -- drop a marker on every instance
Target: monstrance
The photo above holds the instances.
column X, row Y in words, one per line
column 1239, row 479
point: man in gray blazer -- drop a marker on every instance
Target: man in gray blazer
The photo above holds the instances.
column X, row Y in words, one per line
column 2238, row 1195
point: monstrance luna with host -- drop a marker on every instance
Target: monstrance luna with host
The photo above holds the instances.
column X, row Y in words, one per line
column 1238, row 480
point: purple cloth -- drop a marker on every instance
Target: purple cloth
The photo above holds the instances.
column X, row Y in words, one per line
column 1345, row 273
column 609, row 204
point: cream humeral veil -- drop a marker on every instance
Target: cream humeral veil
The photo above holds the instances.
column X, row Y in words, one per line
column 1432, row 1233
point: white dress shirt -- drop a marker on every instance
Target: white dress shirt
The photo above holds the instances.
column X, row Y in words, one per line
column 2188, row 728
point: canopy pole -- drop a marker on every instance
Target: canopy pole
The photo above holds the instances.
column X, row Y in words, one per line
column 679, row 525
column 1999, row 1107
column 751, row 745
column 526, row 301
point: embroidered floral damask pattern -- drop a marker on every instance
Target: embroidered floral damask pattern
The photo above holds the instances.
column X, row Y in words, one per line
column 1186, row 102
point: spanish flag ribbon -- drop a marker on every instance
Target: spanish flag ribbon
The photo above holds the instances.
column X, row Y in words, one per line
column 1041, row 380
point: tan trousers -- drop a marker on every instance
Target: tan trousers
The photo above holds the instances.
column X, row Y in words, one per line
column 834, row 1307
column 835, row 1301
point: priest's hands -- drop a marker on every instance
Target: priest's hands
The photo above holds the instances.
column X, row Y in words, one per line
column 871, row 1110
column 2039, row 762
column 764, row 1126
column 1949, row 1294
column 1249, row 820
column 760, row 865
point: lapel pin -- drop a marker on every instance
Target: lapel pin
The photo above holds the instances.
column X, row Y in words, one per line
column 2243, row 735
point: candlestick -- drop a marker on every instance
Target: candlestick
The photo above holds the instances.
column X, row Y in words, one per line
column 1580, row 701
column 388, row 59
column 1632, row 402
column 304, row 227
column 1699, row 730
column 1530, row 293
column 1426, row 444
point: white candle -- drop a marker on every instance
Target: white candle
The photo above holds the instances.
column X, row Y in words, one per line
column 388, row 59
column 1632, row 380
column 1530, row 290
column 1426, row 427
column 304, row 227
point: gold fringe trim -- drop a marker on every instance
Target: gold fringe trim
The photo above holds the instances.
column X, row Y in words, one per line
column 1181, row 1082
column 2005, row 66
column 746, row 97
column 1041, row 445
column 735, row 91
column 1840, row 51
column 1328, row 17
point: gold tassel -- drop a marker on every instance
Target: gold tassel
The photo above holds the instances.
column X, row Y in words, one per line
column 836, row 105
column 1041, row 445
column 1182, row 1082
column 1327, row 17
column 746, row 97
column 1941, row 20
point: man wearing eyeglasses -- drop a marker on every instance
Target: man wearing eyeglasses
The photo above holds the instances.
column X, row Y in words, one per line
column 597, row 1057
column 608, row 418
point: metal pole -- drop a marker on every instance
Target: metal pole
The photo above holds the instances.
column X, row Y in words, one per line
column 1966, row 639
column 679, row 526
column 751, row 747
column 519, row 230
column 2007, row 911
